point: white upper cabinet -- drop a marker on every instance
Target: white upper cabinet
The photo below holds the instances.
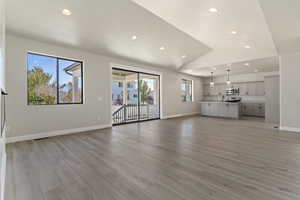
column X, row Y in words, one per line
column 260, row 89
column 243, row 89
column 246, row 89
column 251, row 89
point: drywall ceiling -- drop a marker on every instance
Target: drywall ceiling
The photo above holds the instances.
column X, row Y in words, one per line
column 283, row 18
column 270, row 64
column 215, row 29
column 195, row 39
column 104, row 26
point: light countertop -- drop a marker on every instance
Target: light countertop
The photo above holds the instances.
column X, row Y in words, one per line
column 221, row 102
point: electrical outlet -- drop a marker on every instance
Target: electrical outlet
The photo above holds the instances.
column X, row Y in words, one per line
column 98, row 118
column 99, row 98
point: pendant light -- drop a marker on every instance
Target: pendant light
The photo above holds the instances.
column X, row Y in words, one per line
column 212, row 83
column 228, row 79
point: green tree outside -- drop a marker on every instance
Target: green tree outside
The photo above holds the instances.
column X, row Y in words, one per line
column 145, row 91
column 40, row 90
column 66, row 93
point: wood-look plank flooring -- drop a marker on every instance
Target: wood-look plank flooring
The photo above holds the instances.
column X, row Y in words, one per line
column 191, row 158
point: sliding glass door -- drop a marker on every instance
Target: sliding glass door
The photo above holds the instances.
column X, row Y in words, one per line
column 135, row 96
column 148, row 96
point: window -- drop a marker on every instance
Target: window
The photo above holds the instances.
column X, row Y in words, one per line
column 131, row 84
column 186, row 90
column 52, row 80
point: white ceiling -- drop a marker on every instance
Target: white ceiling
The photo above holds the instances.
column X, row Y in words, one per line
column 263, row 65
column 214, row 29
column 186, row 28
column 104, row 26
column 283, row 18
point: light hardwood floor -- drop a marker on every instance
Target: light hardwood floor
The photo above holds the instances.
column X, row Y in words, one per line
column 176, row 159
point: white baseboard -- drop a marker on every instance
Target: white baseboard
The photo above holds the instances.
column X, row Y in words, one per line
column 2, row 166
column 54, row 133
column 291, row 129
column 180, row 115
column 3, row 175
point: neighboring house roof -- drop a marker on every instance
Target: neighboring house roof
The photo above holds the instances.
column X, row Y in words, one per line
column 72, row 69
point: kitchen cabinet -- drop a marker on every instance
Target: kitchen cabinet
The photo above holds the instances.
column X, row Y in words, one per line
column 208, row 109
column 251, row 88
column 259, row 89
column 255, row 89
column 253, row 109
column 221, row 109
column 246, row 109
column 246, row 89
column 243, row 89
column 262, row 110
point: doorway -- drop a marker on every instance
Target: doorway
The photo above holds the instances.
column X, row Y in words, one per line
column 135, row 96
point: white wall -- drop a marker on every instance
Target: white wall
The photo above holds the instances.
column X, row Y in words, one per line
column 290, row 92
column 2, row 86
column 27, row 120
column 2, row 44
column 272, row 84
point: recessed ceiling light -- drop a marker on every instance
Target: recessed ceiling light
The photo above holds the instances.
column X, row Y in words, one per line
column 134, row 37
column 234, row 32
column 66, row 12
column 184, row 56
column 246, row 64
column 213, row 10
column 256, row 70
column 162, row 48
column 247, row 47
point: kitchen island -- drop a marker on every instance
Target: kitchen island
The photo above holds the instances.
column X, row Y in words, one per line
column 221, row 109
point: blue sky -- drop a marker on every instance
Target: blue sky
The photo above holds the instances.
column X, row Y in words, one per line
column 49, row 66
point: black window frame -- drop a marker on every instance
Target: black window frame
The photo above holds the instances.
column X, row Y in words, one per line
column 57, row 79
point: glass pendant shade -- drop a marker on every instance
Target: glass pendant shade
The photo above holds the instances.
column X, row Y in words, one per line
column 212, row 83
column 228, row 79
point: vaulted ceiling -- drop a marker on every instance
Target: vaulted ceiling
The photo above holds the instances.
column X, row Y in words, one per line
column 283, row 21
column 215, row 28
column 106, row 27
column 188, row 36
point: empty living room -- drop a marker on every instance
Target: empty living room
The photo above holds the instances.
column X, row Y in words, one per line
column 149, row 100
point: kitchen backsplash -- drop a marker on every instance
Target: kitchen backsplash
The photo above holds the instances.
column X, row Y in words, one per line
column 245, row 99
